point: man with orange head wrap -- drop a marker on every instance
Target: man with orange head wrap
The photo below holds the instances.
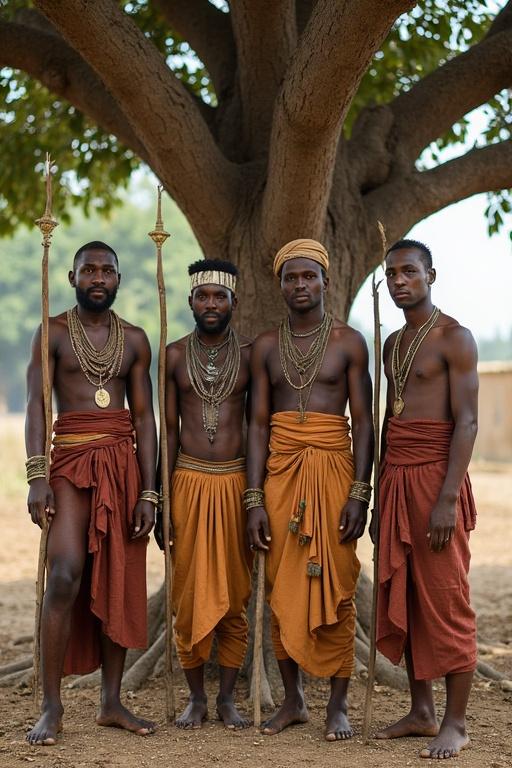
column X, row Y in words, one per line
column 308, row 493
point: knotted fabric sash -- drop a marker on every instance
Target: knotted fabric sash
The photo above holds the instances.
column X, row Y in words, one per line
column 95, row 450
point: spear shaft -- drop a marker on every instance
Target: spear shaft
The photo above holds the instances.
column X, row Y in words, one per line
column 159, row 236
column 367, row 718
column 46, row 226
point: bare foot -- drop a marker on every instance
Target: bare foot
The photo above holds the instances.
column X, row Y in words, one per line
column 229, row 714
column 44, row 733
column 337, row 726
column 117, row 716
column 414, row 724
column 289, row 713
column 449, row 742
column 196, row 712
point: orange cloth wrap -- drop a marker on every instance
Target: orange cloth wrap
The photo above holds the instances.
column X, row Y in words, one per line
column 314, row 616
column 112, row 597
column 423, row 595
column 301, row 248
column 211, row 565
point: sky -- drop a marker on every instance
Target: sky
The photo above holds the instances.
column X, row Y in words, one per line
column 474, row 272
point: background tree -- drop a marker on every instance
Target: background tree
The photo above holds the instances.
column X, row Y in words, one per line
column 264, row 120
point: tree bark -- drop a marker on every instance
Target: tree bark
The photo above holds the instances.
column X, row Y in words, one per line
column 269, row 162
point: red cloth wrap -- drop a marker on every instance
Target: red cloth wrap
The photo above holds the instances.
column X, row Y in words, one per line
column 112, row 597
column 423, row 595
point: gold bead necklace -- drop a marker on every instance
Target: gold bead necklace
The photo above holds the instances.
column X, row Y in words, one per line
column 401, row 371
column 99, row 366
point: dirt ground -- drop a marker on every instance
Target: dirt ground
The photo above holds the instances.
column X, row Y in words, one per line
column 84, row 745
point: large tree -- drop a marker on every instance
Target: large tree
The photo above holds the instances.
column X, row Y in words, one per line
column 265, row 120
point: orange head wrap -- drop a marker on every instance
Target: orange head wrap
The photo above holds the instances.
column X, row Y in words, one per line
column 307, row 249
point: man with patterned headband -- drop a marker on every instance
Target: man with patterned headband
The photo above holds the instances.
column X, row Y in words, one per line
column 206, row 391
column 426, row 504
column 95, row 602
column 308, row 491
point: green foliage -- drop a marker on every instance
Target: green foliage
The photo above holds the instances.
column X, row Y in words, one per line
column 33, row 121
column 126, row 231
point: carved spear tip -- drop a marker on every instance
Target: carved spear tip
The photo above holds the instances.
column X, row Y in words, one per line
column 159, row 235
column 46, row 222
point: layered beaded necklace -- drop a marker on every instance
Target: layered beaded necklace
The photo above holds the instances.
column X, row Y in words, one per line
column 212, row 382
column 306, row 364
column 98, row 365
column 401, row 371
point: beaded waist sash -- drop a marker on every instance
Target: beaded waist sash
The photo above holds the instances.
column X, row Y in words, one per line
column 211, row 467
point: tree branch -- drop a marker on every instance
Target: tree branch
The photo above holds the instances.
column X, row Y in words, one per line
column 181, row 150
column 502, row 21
column 266, row 35
column 401, row 203
column 333, row 54
column 432, row 106
column 47, row 58
column 209, row 33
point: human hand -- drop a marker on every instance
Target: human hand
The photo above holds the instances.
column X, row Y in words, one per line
column 442, row 524
column 258, row 530
column 40, row 502
column 352, row 520
column 159, row 531
column 143, row 519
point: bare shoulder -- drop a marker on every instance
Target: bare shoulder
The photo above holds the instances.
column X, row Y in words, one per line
column 245, row 342
column 351, row 338
column 459, row 343
column 176, row 349
column 390, row 340
column 135, row 333
column 266, row 341
column 59, row 322
column 58, row 327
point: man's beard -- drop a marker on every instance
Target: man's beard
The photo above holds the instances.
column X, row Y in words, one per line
column 220, row 326
column 90, row 305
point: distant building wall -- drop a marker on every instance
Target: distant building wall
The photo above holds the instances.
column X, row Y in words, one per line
column 494, row 439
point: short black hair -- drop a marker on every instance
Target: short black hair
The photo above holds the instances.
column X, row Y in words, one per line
column 205, row 265
column 425, row 253
column 95, row 245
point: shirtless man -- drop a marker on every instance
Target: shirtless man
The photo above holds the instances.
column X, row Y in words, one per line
column 98, row 530
column 206, row 392
column 426, row 504
column 309, row 491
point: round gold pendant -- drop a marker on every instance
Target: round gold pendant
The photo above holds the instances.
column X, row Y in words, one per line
column 398, row 406
column 102, row 398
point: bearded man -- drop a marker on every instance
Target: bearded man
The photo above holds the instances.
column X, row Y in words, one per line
column 101, row 496
column 206, row 391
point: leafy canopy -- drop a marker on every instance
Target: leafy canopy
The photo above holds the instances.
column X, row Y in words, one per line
column 92, row 167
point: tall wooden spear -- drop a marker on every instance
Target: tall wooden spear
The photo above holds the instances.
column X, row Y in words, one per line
column 159, row 236
column 257, row 656
column 46, row 225
column 376, row 462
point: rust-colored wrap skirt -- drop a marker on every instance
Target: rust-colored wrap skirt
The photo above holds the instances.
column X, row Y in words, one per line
column 423, row 595
column 94, row 450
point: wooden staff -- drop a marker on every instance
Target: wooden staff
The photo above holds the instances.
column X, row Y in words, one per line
column 159, row 236
column 257, row 656
column 376, row 461
column 46, row 225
